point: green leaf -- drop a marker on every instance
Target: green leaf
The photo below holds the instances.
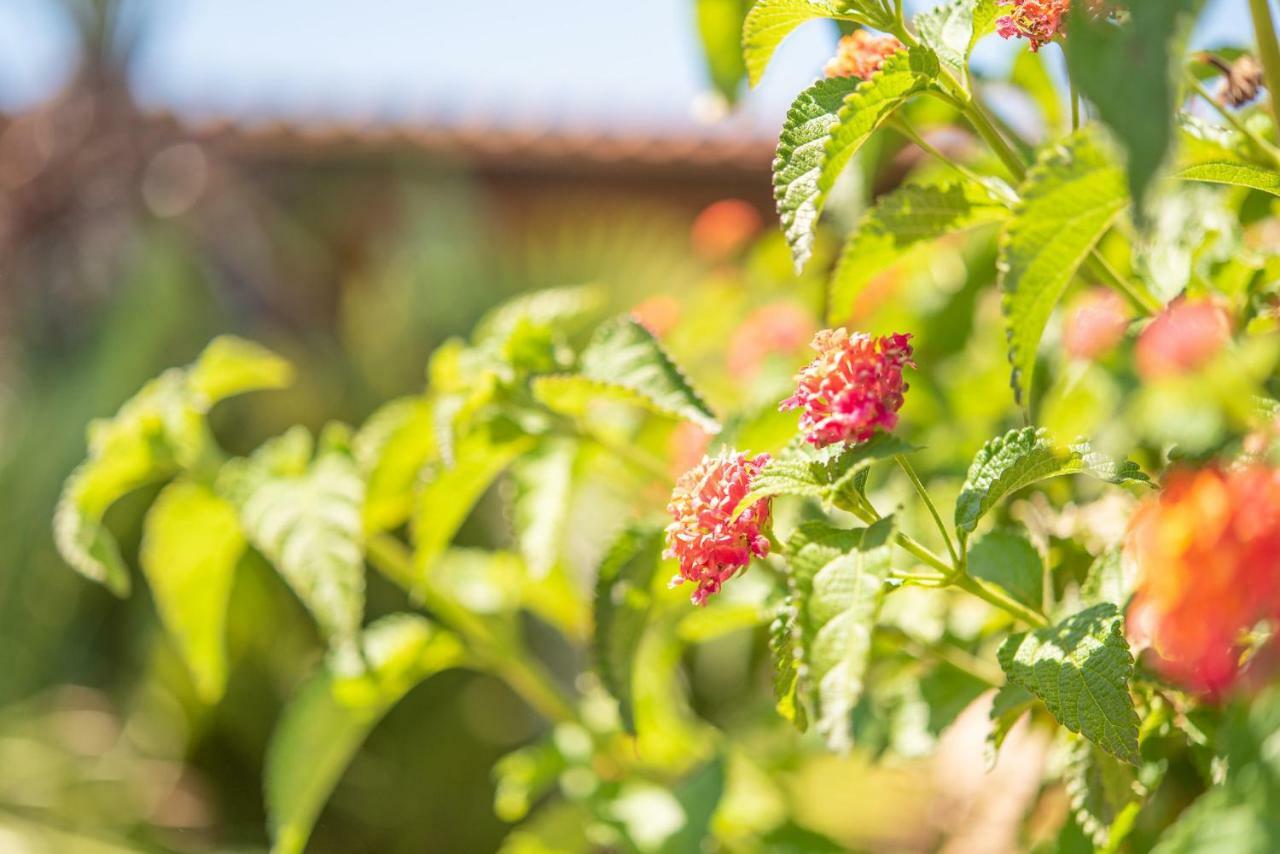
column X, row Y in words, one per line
column 191, row 542
column 1025, row 456
column 952, row 29
column 1007, row 559
column 770, row 21
column 837, row 581
column 720, row 30
column 1104, row 794
column 1081, row 668
column 543, row 491
column 1069, row 199
column 391, row 449
column 622, row 602
column 158, row 432
column 785, row 646
column 1235, row 173
column 523, row 776
column 1008, row 706
column 564, row 309
column 1109, row 580
column 1128, row 73
column 827, row 474
column 825, row 127
column 448, row 495
column 324, row 724
column 308, row 525
column 899, row 222
column 625, row 362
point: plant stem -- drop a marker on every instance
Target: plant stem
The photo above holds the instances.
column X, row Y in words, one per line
column 1000, row 600
column 1264, row 29
column 948, row 653
column 903, row 127
column 1137, row 294
column 981, row 122
column 1232, row 119
column 1075, row 104
column 869, row 515
column 905, row 465
column 524, row 676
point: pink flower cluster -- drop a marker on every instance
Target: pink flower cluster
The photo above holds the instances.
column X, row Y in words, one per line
column 710, row 543
column 1183, row 338
column 853, row 388
column 1037, row 21
column 861, row 54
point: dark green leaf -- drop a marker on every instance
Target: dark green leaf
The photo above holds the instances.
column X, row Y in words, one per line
column 1104, row 794
column 622, row 602
column 1007, row 559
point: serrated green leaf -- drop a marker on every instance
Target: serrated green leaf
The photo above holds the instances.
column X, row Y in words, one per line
column 324, row 724
column 1008, row 706
column 1103, row 792
column 1109, row 580
column 1128, row 73
column 1081, row 668
column 448, row 495
column 825, row 127
column 308, row 526
column 540, row 510
column 1007, row 559
column 1068, row 201
column 1235, row 173
column 624, row 362
column 768, row 22
column 561, row 308
column 623, row 599
column 720, row 25
column 1022, row 457
column 158, row 432
column 825, row 474
column 191, row 542
column 952, row 29
column 837, row 580
column 391, row 449
column 785, row 646
column 899, row 222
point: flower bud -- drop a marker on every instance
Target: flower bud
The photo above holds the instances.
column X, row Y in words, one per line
column 861, row 54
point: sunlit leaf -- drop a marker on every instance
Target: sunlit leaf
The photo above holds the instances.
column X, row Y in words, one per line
column 720, row 29
column 827, row 474
column 622, row 603
column 391, row 449
column 1235, row 173
column 952, row 29
column 770, row 21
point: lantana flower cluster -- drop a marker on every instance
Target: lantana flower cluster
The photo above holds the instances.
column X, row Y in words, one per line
column 853, row 388
column 860, row 54
column 1208, row 556
column 1041, row 21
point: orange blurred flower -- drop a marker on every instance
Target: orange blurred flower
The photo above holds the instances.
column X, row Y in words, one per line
column 724, row 228
column 1095, row 324
column 659, row 314
column 1184, row 337
column 1208, row 555
column 780, row 327
column 860, row 54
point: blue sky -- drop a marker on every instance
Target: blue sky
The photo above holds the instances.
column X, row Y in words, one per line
column 574, row 62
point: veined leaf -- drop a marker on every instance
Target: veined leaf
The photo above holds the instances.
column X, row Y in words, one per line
column 391, row 449
column 1128, row 73
column 624, row 362
column 825, row 127
column 1235, row 173
column 323, row 726
column 897, row 223
column 837, row 579
column 191, row 542
column 952, row 29
column 1022, row 457
column 1007, row 559
column 447, row 497
column 770, row 21
column 158, row 432
column 1081, row 668
column 1104, row 794
column 1069, row 199
column 622, row 603
column 308, row 525
column 825, row 474
column 540, row 510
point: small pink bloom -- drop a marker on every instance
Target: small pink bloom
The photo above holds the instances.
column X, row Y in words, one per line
column 853, row 388
column 1095, row 325
column 1184, row 337
column 1037, row 21
column 705, row 537
column 659, row 314
column 780, row 327
column 861, row 54
column 724, row 228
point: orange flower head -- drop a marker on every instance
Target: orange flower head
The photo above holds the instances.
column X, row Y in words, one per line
column 1095, row 325
column 1182, row 338
column 861, row 54
column 724, row 228
column 659, row 314
column 709, row 541
column 1207, row 550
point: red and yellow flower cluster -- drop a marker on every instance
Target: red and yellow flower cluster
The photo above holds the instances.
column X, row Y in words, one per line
column 1208, row 556
column 861, row 54
column 852, row 389
column 1037, row 21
